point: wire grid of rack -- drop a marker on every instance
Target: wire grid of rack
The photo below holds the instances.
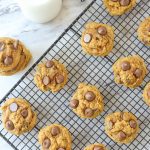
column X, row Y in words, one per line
column 53, row 108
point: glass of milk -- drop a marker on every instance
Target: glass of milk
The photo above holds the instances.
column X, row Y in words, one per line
column 40, row 11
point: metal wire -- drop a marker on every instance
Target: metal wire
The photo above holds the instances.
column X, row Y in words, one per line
column 53, row 108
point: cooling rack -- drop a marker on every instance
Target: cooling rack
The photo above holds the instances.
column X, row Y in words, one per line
column 53, row 108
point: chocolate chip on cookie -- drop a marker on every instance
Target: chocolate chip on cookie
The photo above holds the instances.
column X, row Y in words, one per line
column 133, row 124
column 55, row 131
column 125, row 66
column 59, row 79
column 124, row 2
column 121, row 135
column 2, row 46
column 46, row 80
column 49, row 64
column 8, row 60
column 89, row 112
column 138, row 73
column 148, row 93
column 13, row 107
column 24, row 113
column 15, row 44
column 61, row 148
column 46, row 143
column 89, row 96
column 148, row 29
column 102, row 30
column 74, row 103
column 9, row 125
column 87, row 38
column 98, row 148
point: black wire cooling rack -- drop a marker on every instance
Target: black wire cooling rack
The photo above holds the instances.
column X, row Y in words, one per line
column 53, row 108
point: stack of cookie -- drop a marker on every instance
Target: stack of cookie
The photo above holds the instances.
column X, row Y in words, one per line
column 14, row 56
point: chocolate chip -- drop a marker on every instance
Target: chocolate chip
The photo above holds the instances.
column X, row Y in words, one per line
column 55, row 131
column 2, row 46
column 9, row 125
column 121, row 135
column 148, row 93
column 15, row 44
column 49, row 64
column 148, row 29
column 110, row 125
column 46, row 80
column 98, row 148
column 13, row 107
column 89, row 96
column 87, row 38
column 8, row 60
column 89, row 112
column 138, row 73
column 24, row 113
column 74, row 103
column 46, row 143
column 125, row 66
column 133, row 124
column 61, row 148
column 59, row 79
column 102, row 30
column 124, row 2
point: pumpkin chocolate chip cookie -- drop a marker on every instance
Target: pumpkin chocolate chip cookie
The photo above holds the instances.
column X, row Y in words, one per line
column 122, row 127
column 97, row 39
column 95, row 147
column 119, row 7
column 146, row 94
column 144, row 31
column 55, row 137
column 17, row 116
column 51, row 75
column 14, row 56
column 129, row 71
column 87, row 102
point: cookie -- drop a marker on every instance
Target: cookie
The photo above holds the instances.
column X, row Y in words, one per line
column 14, row 56
column 51, row 75
column 119, row 7
column 95, row 147
column 146, row 94
column 130, row 71
column 97, row 39
column 144, row 31
column 55, row 137
column 87, row 102
column 17, row 116
column 122, row 127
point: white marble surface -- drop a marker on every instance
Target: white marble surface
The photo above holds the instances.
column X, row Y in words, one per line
column 37, row 37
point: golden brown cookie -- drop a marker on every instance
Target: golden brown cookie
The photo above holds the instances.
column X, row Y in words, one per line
column 51, row 75
column 14, row 56
column 55, row 137
column 17, row 116
column 87, row 102
column 130, row 71
column 96, row 146
column 144, row 31
column 97, row 39
column 119, row 7
column 146, row 94
column 122, row 127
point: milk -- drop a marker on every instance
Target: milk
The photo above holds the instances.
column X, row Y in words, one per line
column 40, row 11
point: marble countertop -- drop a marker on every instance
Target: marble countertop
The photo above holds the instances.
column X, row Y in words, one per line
column 14, row 24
